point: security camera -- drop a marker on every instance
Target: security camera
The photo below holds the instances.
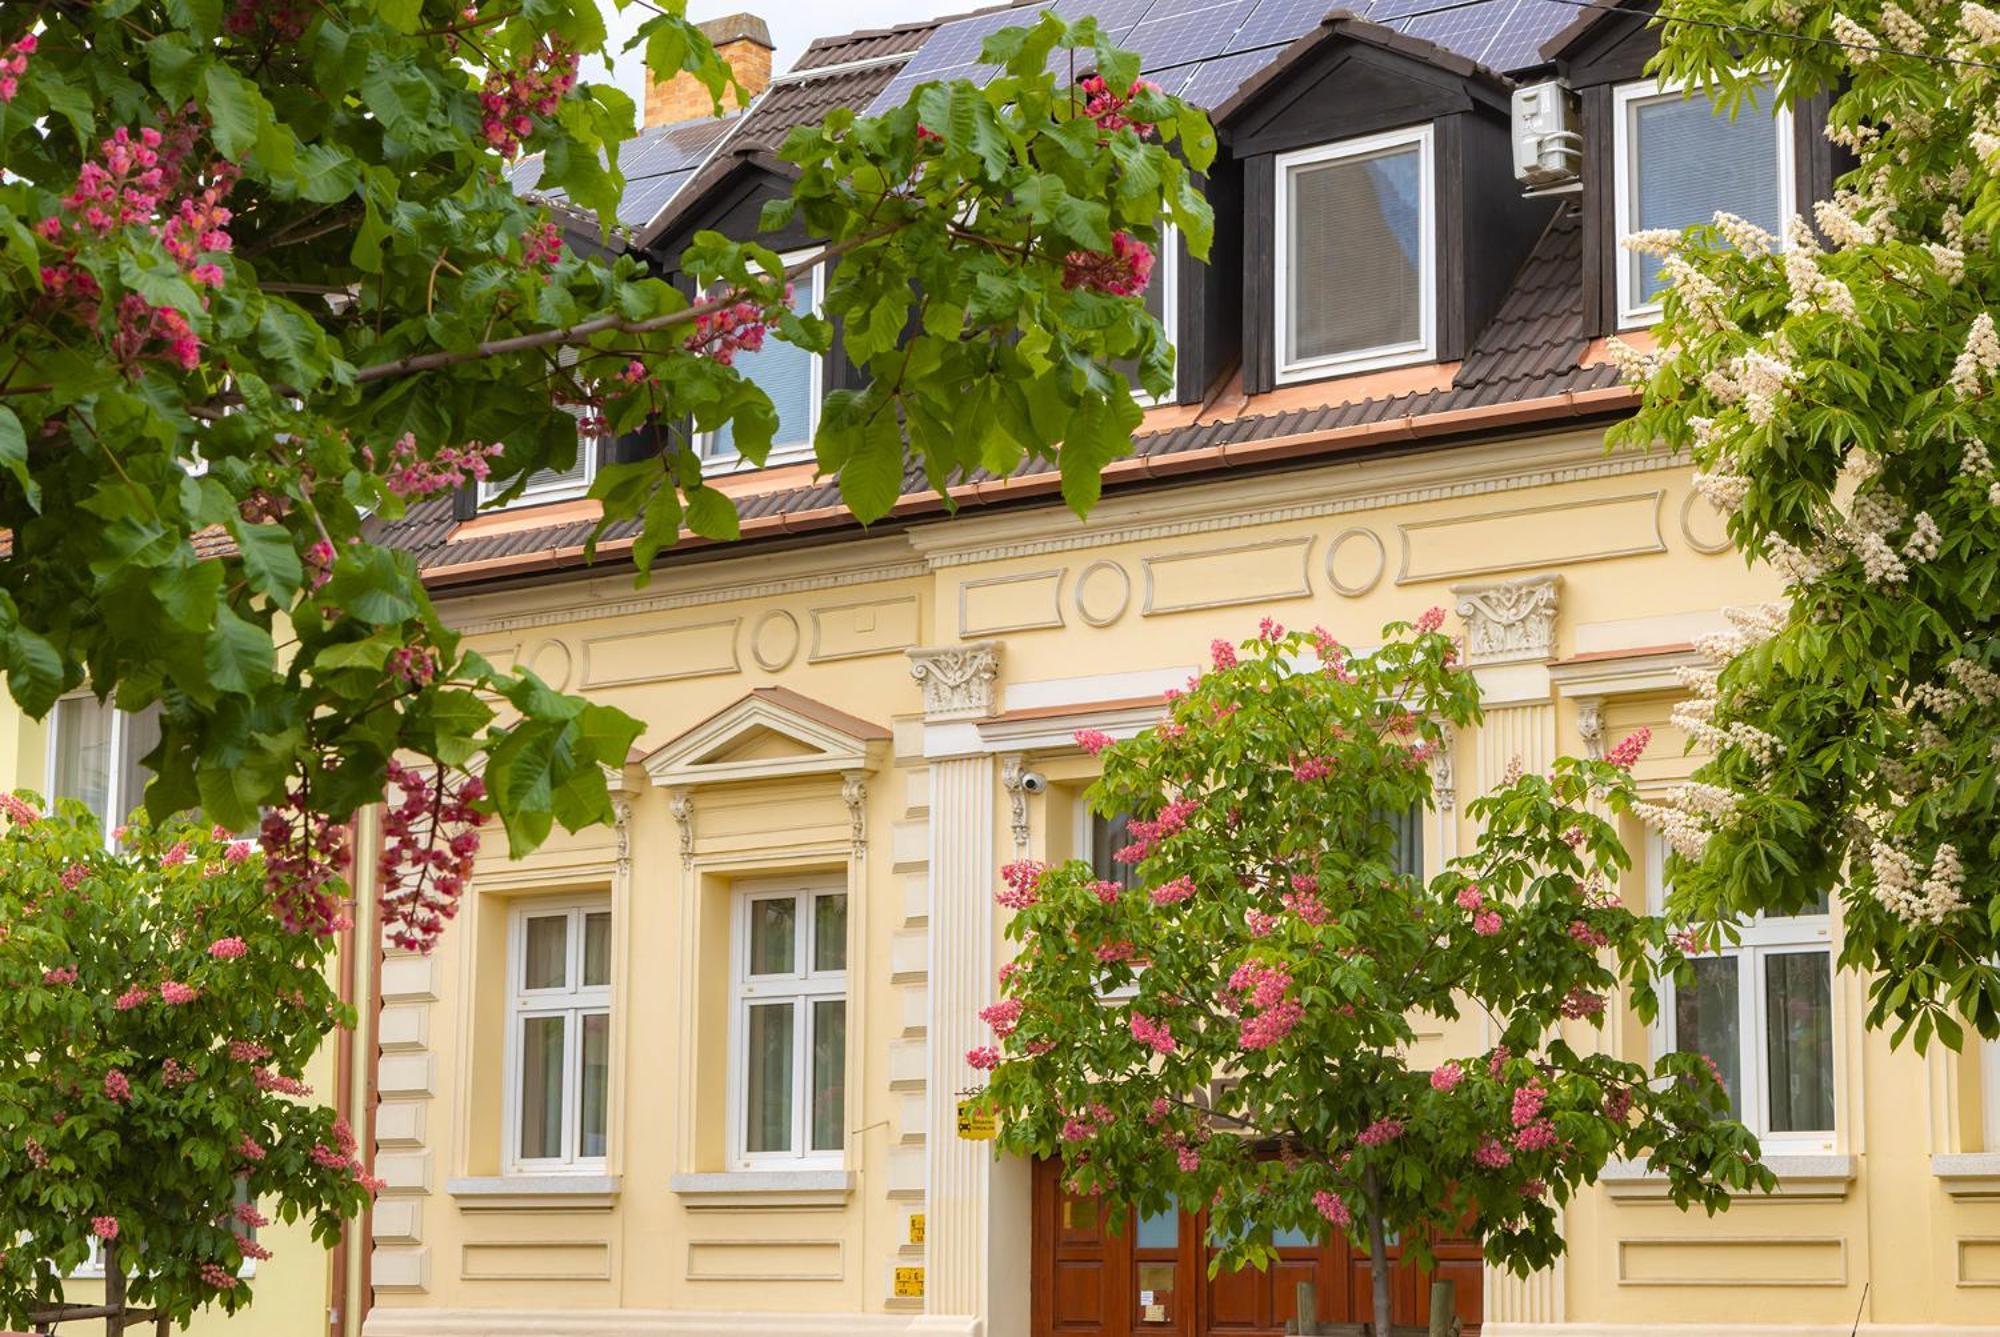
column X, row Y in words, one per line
column 1034, row 782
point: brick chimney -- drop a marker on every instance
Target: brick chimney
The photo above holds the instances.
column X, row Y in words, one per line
column 744, row 41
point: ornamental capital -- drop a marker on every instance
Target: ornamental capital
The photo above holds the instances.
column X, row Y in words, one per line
column 1510, row 621
column 959, row 681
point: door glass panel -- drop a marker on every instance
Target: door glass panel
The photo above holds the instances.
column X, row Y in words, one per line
column 596, row 1083
column 1291, row 1239
column 1160, row 1232
column 541, row 1088
column 768, row 1103
column 830, row 932
column 774, row 932
column 547, row 957
column 829, row 1074
column 1798, row 1037
column 1156, row 1292
column 1706, row 1020
column 597, row 949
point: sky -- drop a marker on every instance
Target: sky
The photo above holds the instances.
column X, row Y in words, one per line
column 794, row 23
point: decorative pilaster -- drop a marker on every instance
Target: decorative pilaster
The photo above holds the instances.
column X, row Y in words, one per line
column 681, row 803
column 961, row 982
column 958, row 680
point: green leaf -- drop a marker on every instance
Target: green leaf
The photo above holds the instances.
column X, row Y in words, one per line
column 712, row 514
column 34, row 671
column 375, row 585
column 872, row 478
column 270, row 561
column 239, row 655
column 402, row 15
column 14, row 456
column 237, row 110
column 325, row 174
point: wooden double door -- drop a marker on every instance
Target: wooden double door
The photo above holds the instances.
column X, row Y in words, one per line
column 1149, row 1277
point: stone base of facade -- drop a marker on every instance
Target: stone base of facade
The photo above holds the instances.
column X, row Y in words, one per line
column 392, row 1322
column 1741, row 1329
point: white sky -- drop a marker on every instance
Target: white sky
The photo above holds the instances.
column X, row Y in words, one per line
column 794, row 23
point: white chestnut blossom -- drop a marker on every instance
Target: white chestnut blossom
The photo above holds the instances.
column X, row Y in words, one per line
column 1980, row 25
column 1723, row 491
column 1744, row 235
column 1635, row 366
column 1841, row 227
column 1860, row 41
column 1978, row 360
column 1655, row 241
column 1922, row 545
column 1950, row 261
column 1983, row 683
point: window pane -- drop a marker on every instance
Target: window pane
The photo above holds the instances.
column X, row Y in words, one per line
column 1798, row 1038
column 1354, row 255
column 830, row 932
column 1688, row 162
column 541, row 1088
column 829, row 1074
column 555, row 480
column 83, row 755
column 1108, row 835
column 774, row 932
column 1406, row 853
column 1160, row 1232
column 785, row 372
column 597, row 949
column 1155, row 298
column 1706, row 1020
column 596, row 1083
column 545, row 963
column 141, row 735
column 768, row 1099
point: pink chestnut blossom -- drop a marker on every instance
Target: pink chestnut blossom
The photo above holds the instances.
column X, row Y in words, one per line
column 1628, row 750
column 1492, row 1154
column 21, row 812
column 1446, row 1077
column 1269, row 630
column 1583, row 933
column 117, row 1087
column 1092, row 741
column 1537, row 1136
column 1486, row 923
column 1107, row 893
column 1155, row 1035
column 1261, row 924
column 1223, row 653
column 1527, row 1106
column 984, row 1057
column 1430, row 620
column 104, row 1227
column 132, row 998
column 174, row 993
column 1171, row 893
column 1333, row 1208
column 1003, row 1016
column 1123, row 271
column 60, row 975
column 249, row 1150
column 228, row 949
column 1023, row 884
column 217, row 1277
column 73, row 876
column 1470, row 899
column 1581, row 1003
column 1380, row 1133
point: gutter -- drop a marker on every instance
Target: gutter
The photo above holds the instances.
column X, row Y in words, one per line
column 1406, row 429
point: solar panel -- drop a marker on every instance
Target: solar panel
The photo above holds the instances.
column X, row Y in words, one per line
column 1518, row 44
column 1278, row 21
column 1167, row 44
column 1113, row 16
column 1214, row 82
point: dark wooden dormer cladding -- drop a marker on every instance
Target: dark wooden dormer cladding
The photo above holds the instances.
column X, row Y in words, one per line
column 1348, row 79
column 1606, row 48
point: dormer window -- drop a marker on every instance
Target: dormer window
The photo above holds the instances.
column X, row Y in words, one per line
column 547, row 485
column 1679, row 159
column 1356, row 255
column 791, row 377
column 1163, row 305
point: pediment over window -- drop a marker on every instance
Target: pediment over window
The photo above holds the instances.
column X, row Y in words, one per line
column 770, row 734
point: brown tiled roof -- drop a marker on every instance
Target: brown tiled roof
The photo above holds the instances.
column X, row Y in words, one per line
column 867, row 44
column 1538, row 330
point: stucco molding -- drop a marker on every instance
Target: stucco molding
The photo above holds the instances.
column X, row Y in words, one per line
column 1823, row 1177
column 534, row 1193
column 1444, row 775
column 762, row 1190
column 835, row 744
column 680, row 802
column 854, row 793
column 1590, row 725
column 959, row 681
column 1510, row 621
column 598, row 1322
column 1968, row 1175
column 1342, row 490
column 1626, row 675
column 1013, row 779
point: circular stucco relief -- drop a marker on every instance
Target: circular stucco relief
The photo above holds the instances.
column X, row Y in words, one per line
column 1702, row 525
column 774, row 640
column 1103, row 593
column 1355, row 561
column 552, row 663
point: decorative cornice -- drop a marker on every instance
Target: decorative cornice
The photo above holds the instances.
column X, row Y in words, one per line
column 698, row 598
column 1510, row 621
column 1342, row 498
column 958, row 680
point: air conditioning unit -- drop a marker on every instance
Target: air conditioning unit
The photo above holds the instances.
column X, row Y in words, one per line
column 1548, row 136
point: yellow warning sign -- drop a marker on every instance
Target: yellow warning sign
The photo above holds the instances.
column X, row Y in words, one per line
column 976, row 1124
column 909, row 1283
column 916, row 1227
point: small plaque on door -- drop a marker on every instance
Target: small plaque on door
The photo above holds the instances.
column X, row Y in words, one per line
column 909, row 1283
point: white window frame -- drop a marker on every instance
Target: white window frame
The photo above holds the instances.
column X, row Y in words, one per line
column 1989, row 1094
column 1626, row 99
column 704, row 442
column 1167, row 272
column 555, row 489
column 1757, row 941
column 117, row 806
column 803, row 987
column 573, row 1002
column 1424, row 349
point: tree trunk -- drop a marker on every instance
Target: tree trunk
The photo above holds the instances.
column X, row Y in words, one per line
column 1378, row 1253
column 114, row 1291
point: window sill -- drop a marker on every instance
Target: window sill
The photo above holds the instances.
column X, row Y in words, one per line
column 713, row 466
column 741, row 1190
column 535, row 1193
column 1800, row 1179
column 1968, row 1174
column 1381, row 359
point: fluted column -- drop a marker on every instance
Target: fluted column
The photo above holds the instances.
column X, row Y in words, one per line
column 959, row 687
